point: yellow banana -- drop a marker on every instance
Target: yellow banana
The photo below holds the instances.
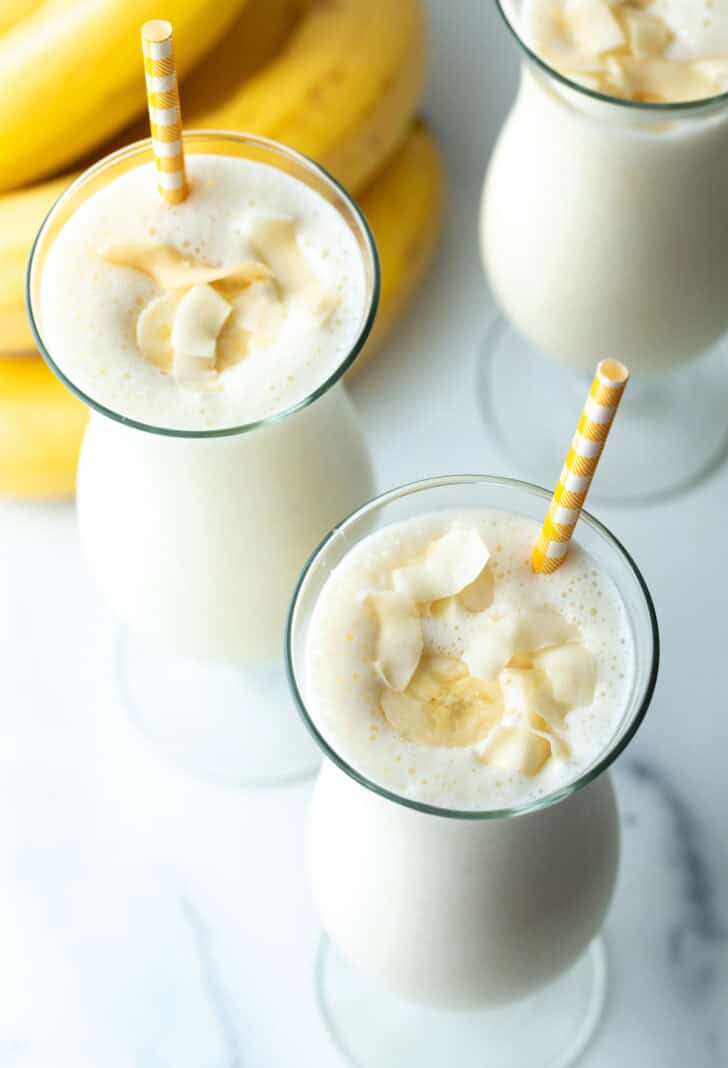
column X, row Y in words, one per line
column 343, row 89
column 404, row 206
column 13, row 11
column 252, row 41
column 20, row 217
column 72, row 75
column 41, row 423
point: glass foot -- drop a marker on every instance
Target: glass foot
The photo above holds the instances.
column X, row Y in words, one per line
column 670, row 432
column 374, row 1028
column 236, row 726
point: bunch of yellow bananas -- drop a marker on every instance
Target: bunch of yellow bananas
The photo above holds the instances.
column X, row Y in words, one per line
column 339, row 80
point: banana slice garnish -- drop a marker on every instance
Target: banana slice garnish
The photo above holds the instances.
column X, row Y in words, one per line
column 246, row 301
column 450, row 564
column 400, row 641
column 442, row 705
column 519, row 676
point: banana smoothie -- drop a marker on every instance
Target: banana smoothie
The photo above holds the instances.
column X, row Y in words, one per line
column 445, row 670
column 463, row 841
column 224, row 310
column 604, row 217
column 209, row 338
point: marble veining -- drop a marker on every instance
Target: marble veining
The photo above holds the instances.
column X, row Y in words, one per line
column 213, row 986
column 697, row 939
column 695, row 928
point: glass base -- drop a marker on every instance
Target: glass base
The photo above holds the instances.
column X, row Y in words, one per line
column 236, row 726
column 374, row 1028
column 670, row 432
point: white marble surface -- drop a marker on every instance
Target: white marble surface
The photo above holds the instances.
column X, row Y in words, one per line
column 148, row 920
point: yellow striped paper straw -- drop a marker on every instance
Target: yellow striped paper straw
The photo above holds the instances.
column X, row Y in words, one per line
column 165, row 118
column 581, row 463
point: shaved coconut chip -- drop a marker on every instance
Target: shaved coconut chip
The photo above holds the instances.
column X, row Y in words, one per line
column 659, row 79
column 475, row 597
column 559, row 746
column 170, row 269
column 233, row 342
column 400, row 642
column 648, row 34
column 257, row 314
column 593, row 26
column 154, row 330
column 490, row 648
column 571, row 671
column 450, row 564
column 551, row 40
column 518, row 749
column 541, row 627
column 442, row 706
column 445, row 609
column 276, row 240
column 199, row 319
column 260, row 309
column 526, row 692
column 479, row 594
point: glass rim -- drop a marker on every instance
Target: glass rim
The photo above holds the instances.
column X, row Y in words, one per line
column 704, row 103
column 610, row 754
column 233, row 137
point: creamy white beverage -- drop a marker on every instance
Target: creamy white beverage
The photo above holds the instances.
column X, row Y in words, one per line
column 603, row 220
column 445, row 670
column 216, row 312
column 213, row 333
column 458, row 850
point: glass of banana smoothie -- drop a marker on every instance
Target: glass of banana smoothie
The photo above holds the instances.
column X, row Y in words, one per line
column 604, row 228
column 209, row 340
column 463, row 841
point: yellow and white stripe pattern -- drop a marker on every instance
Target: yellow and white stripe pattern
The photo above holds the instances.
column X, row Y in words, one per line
column 581, row 463
column 165, row 118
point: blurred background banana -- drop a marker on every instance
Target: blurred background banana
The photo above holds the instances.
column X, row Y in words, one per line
column 339, row 80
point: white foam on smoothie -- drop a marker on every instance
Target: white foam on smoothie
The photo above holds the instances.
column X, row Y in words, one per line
column 89, row 307
column 699, row 27
column 342, row 688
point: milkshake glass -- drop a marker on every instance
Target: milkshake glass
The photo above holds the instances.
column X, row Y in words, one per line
column 458, row 935
column 195, row 536
column 604, row 233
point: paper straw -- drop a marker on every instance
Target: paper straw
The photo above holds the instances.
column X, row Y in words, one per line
column 581, row 463
column 165, row 118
